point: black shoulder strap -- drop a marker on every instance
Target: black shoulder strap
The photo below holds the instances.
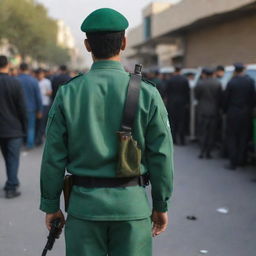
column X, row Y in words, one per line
column 132, row 101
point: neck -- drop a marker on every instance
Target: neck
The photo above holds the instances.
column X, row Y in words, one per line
column 4, row 70
column 239, row 73
column 114, row 58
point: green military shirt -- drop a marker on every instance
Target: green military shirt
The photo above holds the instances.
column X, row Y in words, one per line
column 82, row 140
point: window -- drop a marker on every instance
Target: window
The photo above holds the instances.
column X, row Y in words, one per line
column 147, row 27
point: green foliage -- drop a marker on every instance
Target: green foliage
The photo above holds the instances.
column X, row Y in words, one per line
column 28, row 27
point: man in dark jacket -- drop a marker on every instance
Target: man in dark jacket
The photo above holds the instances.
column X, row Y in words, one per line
column 238, row 104
column 13, row 125
column 33, row 101
column 208, row 92
column 59, row 80
column 178, row 97
column 154, row 76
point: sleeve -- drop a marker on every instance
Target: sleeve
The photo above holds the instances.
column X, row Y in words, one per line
column 39, row 104
column 197, row 91
column 54, row 159
column 187, row 92
column 159, row 155
column 21, row 106
column 226, row 97
column 252, row 94
column 54, row 87
column 219, row 97
column 49, row 85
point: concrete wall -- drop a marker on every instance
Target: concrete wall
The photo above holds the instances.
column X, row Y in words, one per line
column 165, row 54
column 155, row 8
column 135, row 36
column 223, row 43
column 189, row 11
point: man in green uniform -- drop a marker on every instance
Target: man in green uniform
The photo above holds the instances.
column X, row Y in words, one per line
column 82, row 140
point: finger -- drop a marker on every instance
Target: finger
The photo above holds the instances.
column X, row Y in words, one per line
column 48, row 225
column 155, row 229
column 161, row 229
column 48, row 222
column 63, row 222
column 158, row 229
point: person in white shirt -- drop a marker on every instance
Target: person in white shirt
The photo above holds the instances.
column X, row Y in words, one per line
column 46, row 92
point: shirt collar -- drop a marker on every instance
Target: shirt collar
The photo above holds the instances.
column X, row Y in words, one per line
column 107, row 64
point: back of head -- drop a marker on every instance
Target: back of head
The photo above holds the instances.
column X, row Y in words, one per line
column 220, row 68
column 239, row 67
column 105, row 31
column 208, row 71
column 105, row 45
column 177, row 68
column 24, row 67
column 40, row 74
column 3, row 61
column 63, row 68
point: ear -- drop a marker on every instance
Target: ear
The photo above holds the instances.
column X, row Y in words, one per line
column 124, row 43
column 87, row 45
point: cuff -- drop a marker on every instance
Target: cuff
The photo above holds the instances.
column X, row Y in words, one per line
column 49, row 206
column 160, row 206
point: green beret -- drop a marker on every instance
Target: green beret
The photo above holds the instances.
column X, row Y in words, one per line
column 104, row 19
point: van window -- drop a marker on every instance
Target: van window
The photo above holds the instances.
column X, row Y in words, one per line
column 252, row 74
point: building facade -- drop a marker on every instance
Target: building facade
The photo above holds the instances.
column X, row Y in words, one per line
column 194, row 33
column 66, row 40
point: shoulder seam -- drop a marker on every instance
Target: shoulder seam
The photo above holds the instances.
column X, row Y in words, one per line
column 148, row 82
column 73, row 78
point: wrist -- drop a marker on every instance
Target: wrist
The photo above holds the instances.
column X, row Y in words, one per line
column 160, row 206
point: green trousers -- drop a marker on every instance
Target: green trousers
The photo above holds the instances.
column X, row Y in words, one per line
column 112, row 238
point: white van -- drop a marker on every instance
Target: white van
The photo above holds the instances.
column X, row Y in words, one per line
column 229, row 70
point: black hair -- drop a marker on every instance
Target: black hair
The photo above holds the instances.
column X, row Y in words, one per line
column 3, row 61
column 63, row 68
column 208, row 71
column 39, row 70
column 105, row 45
column 23, row 66
column 220, row 68
column 239, row 69
column 177, row 68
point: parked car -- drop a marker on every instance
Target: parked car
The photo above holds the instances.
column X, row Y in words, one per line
column 229, row 70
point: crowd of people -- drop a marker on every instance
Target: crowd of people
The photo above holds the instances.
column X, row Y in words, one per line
column 26, row 96
column 223, row 117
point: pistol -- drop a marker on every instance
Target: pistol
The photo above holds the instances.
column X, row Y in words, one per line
column 53, row 235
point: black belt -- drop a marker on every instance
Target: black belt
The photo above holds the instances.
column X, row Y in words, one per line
column 92, row 182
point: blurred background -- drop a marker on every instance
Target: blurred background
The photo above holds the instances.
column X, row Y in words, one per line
column 184, row 46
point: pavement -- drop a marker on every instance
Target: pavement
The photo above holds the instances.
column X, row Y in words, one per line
column 201, row 187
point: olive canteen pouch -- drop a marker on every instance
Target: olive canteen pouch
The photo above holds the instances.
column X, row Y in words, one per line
column 129, row 158
column 129, row 154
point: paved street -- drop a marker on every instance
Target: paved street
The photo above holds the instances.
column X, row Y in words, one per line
column 200, row 188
